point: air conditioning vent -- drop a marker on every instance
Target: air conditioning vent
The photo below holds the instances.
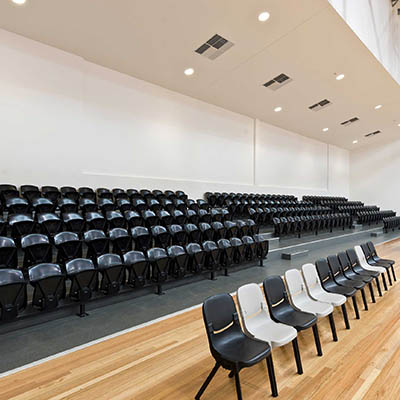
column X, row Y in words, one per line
column 214, row 47
column 278, row 82
column 350, row 121
column 372, row 134
column 321, row 105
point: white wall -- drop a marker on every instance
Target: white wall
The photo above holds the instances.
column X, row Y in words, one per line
column 66, row 121
column 374, row 172
column 377, row 24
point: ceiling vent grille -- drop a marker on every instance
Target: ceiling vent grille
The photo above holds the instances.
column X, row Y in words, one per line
column 321, row 105
column 278, row 82
column 350, row 121
column 372, row 134
column 214, row 47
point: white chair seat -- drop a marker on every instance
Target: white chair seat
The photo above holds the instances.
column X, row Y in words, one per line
column 363, row 262
column 256, row 320
column 315, row 307
column 316, row 290
column 301, row 299
column 274, row 333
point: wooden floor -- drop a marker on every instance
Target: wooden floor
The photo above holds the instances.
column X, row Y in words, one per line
column 170, row 360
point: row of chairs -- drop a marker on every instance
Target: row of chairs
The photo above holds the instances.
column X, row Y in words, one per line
column 39, row 247
column 50, row 224
column 39, row 205
column 219, row 199
column 108, row 272
column 326, row 199
column 31, row 192
column 353, row 210
column 368, row 217
column 316, row 223
column 391, row 223
column 289, row 306
column 265, row 216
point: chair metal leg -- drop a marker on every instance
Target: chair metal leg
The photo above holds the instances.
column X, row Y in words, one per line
column 207, row 381
column 384, row 281
column 333, row 327
column 364, row 299
column 238, row 388
column 378, row 286
column 389, row 277
column 272, row 379
column 355, row 307
column 296, row 351
column 317, row 341
column 371, row 290
column 345, row 316
column 394, row 274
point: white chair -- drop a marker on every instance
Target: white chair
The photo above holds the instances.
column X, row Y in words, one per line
column 301, row 300
column 364, row 264
column 258, row 324
column 317, row 292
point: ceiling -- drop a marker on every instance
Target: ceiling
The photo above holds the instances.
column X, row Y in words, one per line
column 155, row 41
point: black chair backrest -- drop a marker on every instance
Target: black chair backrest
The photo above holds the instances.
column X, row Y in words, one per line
column 334, row 264
column 352, row 255
column 93, row 235
column 106, row 261
column 275, row 292
column 44, row 271
column 8, row 253
column 221, row 321
column 79, row 265
column 344, row 261
column 34, row 239
column 323, row 270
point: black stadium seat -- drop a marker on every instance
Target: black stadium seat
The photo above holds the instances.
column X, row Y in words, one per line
column 112, row 273
column 8, row 253
column 97, row 243
column 74, row 222
column 12, row 293
column 121, row 241
column 69, row 247
column 42, row 205
column 50, row 224
column 141, row 238
column 159, row 261
column 87, row 193
column 67, row 206
column 52, row 193
column 179, row 261
column 16, row 205
column 37, row 249
column 48, row 282
column 137, row 265
column 70, row 192
column 83, row 276
column 196, row 257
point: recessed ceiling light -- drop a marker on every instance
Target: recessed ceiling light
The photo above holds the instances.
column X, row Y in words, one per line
column 398, row 124
column 325, row 130
column 378, row 106
column 340, row 77
column 355, row 141
column 19, row 2
column 189, row 71
column 264, row 16
column 277, row 109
